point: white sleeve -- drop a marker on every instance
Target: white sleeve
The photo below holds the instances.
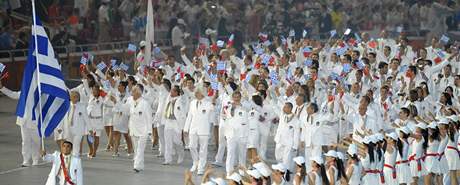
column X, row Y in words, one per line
column 11, row 94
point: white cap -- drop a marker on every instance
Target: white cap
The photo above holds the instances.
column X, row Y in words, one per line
column 263, row 169
column 373, row 139
column 317, row 159
column 142, row 43
column 219, row 181
column 331, row 153
column 235, row 176
column 299, row 160
column 379, row 136
column 366, row 140
column 181, row 21
column 254, row 173
column 352, row 149
column 341, row 156
column 421, row 125
column 433, row 125
column 279, row 167
column 443, row 121
column 405, row 130
column 454, row 118
column 392, row 135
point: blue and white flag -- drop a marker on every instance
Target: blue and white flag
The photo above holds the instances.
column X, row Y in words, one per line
column 42, row 86
column 101, row 66
column 444, row 39
column 124, row 67
column 2, row 67
column 333, row 33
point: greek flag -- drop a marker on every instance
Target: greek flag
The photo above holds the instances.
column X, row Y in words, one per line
column 43, row 87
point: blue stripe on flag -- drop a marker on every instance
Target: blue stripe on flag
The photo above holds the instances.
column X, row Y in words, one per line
column 57, row 102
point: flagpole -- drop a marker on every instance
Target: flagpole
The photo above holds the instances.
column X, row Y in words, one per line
column 34, row 24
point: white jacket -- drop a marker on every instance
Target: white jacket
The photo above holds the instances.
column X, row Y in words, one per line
column 199, row 117
column 75, row 171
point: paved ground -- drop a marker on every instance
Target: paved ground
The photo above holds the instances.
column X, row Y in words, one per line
column 101, row 170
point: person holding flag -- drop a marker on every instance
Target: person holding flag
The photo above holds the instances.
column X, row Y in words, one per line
column 44, row 97
column 66, row 168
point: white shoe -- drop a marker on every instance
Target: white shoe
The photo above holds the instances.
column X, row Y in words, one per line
column 194, row 167
column 180, row 160
column 215, row 163
column 35, row 163
column 166, row 163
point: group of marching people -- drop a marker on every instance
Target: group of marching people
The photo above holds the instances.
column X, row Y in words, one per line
column 342, row 112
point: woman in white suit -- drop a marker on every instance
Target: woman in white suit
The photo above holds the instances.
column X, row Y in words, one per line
column 66, row 168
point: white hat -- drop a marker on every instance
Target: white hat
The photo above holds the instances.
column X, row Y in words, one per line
column 263, row 169
column 219, row 181
column 366, row 140
column 280, row 167
column 299, row 160
column 181, row 21
column 392, row 135
column 443, row 121
column 341, row 156
column 405, row 130
column 142, row 43
column 379, row 136
column 352, row 149
column 433, row 125
column 454, row 118
column 331, row 153
column 421, row 125
column 235, row 176
column 254, row 173
column 317, row 159
column 373, row 139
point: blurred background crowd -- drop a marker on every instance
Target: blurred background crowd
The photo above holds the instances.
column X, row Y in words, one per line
column 95, row 21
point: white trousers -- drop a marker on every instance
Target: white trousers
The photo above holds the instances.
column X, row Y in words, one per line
column 30, row 145
column 222, row 144
column 311, row 151
column 285, row 154
column 139, row 148
column 262, row 150
column 173, row 140
column 199, row 156
column 161, row 138
column 236, row 150
column 76, row 140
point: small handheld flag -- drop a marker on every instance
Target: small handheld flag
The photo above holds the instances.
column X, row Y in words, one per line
column 444, row 39
column 156, row 50
column 132, row 48
column 304, row 33
column 221, row 66
column 399, row 29
column 333, row 33
column 2, row 68
column 101, row 66
column 124, row 67
column 113, row 62
column 230, row 40
column 291, row 33
column 346, row 68
column 220, row 43
column 308, row 62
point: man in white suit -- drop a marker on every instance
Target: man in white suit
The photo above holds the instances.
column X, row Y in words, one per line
column 66, row 168
column 140, row 124
column 29, row 133
column 198, row 128
column 76, row 121
column 173, row 116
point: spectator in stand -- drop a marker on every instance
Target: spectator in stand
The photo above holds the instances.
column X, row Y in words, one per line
column 104, row 22
column 21, row 42
column 6, row 38
column 178, row 36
